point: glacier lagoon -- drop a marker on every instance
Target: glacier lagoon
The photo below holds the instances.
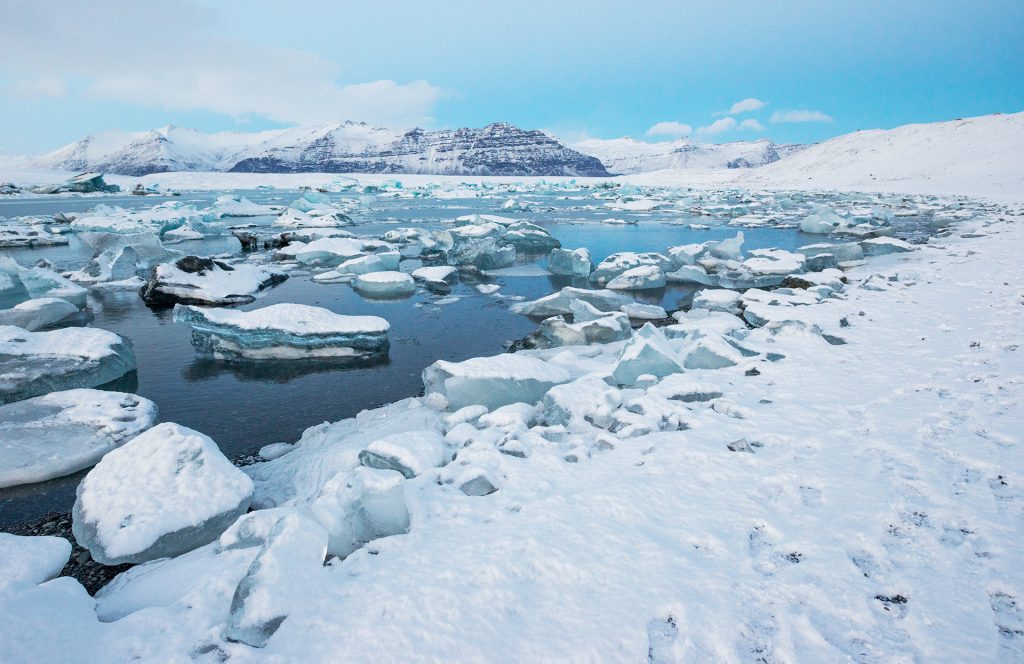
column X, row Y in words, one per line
column 247, row 405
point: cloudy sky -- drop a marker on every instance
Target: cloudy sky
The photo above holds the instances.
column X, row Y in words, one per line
column 790, row 70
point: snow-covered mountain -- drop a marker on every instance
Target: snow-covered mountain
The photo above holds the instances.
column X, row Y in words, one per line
column 497, row 149
column 624, row 156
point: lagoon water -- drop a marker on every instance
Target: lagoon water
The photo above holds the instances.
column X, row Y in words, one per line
column 244, row 406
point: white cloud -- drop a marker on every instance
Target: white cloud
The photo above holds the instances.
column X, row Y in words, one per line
column 167, row 54
column 799, row 116
column 718, row 126
column 46, row 87
column 745, row 106
column 752, row 125
column 671, row 128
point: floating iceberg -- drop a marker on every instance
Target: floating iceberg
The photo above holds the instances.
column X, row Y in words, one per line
column 616, row 264
column 168, row 491
column 284, row 332
column 637, row 311
column 328, row 251
column 230, row 205
column 439, row 278
column 530, row 237
column 23, row 235
column 560, row 303
column 194, row 280
column 83, row 183
column 385, row 284
column 692, row 274
column 18, row 284
column 61, row 433
column 40, row 313
column 570, row 262
column 34, row 363
column 492, row 381
column 120, row 256
column 822, row 221
column 730, row 249
column 644, row 277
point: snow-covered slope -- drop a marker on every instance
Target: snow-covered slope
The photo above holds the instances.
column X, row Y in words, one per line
column 497, row 149
column 624, row 156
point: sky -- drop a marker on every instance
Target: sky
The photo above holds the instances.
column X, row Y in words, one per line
column 788, row 70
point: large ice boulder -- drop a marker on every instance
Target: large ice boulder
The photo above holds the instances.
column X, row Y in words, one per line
column 194, row 280
column 120, row 256
column 492, row 381
column 284, row 332
column 438, row 278
column 570, row 262
column 233, row 205
column 40, row 313
column 18, row 284
column 703, row 350
column 644, row 277
column 529, row 237
column 32, row 559
column 717, row 299
column 28, row 235
column 384, row 284
column 880, row 246
column 560, row 303
column 821, row 221
column 329, row 251
column 410, row 453
column 278, row 579
column 61, row 433
column 168, row 491
column 589, row 326
column 359, row 506
column 34, row 363
column 616, row 264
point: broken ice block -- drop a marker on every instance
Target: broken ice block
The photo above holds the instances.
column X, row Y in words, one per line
column 386, row 284
column 194, row 280
column 492, row 381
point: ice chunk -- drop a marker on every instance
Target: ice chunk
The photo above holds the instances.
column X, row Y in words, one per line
column 486, row 253
column 329, row 251
column 686, row 254
column 703, row 350
column 18, row 284
column 39, row 313
column 194, row 280
column 411, row 453
column 492, row 381
column 530, row 237
column 168, row 491
column 884, row 245
column 644, row 277
column 693, row 274
column 278, row 580
column 616, row 264
column 231, row 205
column 647, row 352
column 730, row 249
column 560, row 303
column 439, row 278
column 585, row 400
column 570, row 262
column 34, row 363
column 822, row 221
column 119, row 256
column 284, row 331
column 294, row 218
column 845, row 252
column 360, row 506
column 385, row 284
column 61, row 433
column 183, row 233
column 83, row 183
column 774, row 262
column 638, row 311
column 32, row 559
column 717, row 299
column 589, row 326
column 26, row 235
column 362, row 265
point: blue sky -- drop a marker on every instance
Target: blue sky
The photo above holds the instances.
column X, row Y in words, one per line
column 807, row 70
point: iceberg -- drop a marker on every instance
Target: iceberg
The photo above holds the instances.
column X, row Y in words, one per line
column 120, row 256
column 277, row 581
column 362, row 265
column 492, row 381
column 703, row 350
column 821, row 222
column 329, row 251
column 647, row 353
column 644, row 277
column 692, row 274
column 284, row 332
column 686, row 254
column 884, row 245
column 294, row 218
column 13, row 236
column 167, row 491
column 717, row 299
column 440, row 278
column 83, row 183
column 359, row 506
column 60, row 433
column 34, row 363
column 40, row 313
column 616, row 264
column 18, row 284
column 637, row 311
column 231, row 205
column 570, row 262
column 589, row 326
column 730, row 249
column 530, row 237
column 844, row 252
column 194, row 280
column 560, row 303
column 386, row 284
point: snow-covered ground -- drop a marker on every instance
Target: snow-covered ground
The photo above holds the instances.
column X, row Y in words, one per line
column 851, row 502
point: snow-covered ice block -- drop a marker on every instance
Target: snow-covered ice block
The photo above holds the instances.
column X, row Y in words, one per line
column 32, row 559
column 729, row 249
column 492, row 381
column 616, row 264
column 39, row 313
column 720, row 322
column 329, row 251
column 439, row 278
column 529, row 237
column 384, row 284
column 60, row 433
column 284, row 331
column 717, row 299
column 411, row 453
column 233, row 205
column 589, row 326
column 278, row 580
column 570, row 262
column 183, row 233
column 702, row 350
column 194, row 280
column 844, row 252
column 168, row 491
column 360, row 506
column 822, row 221
column 560, row 303
column 692, row 274
column 638, row 311
column 33, row 363
column 644, row 277
column 647, row 352
column 585, row 400
column 25, row 235
column 884, row 245
column 361, row 265
column 774, row 261
column 686, row 254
